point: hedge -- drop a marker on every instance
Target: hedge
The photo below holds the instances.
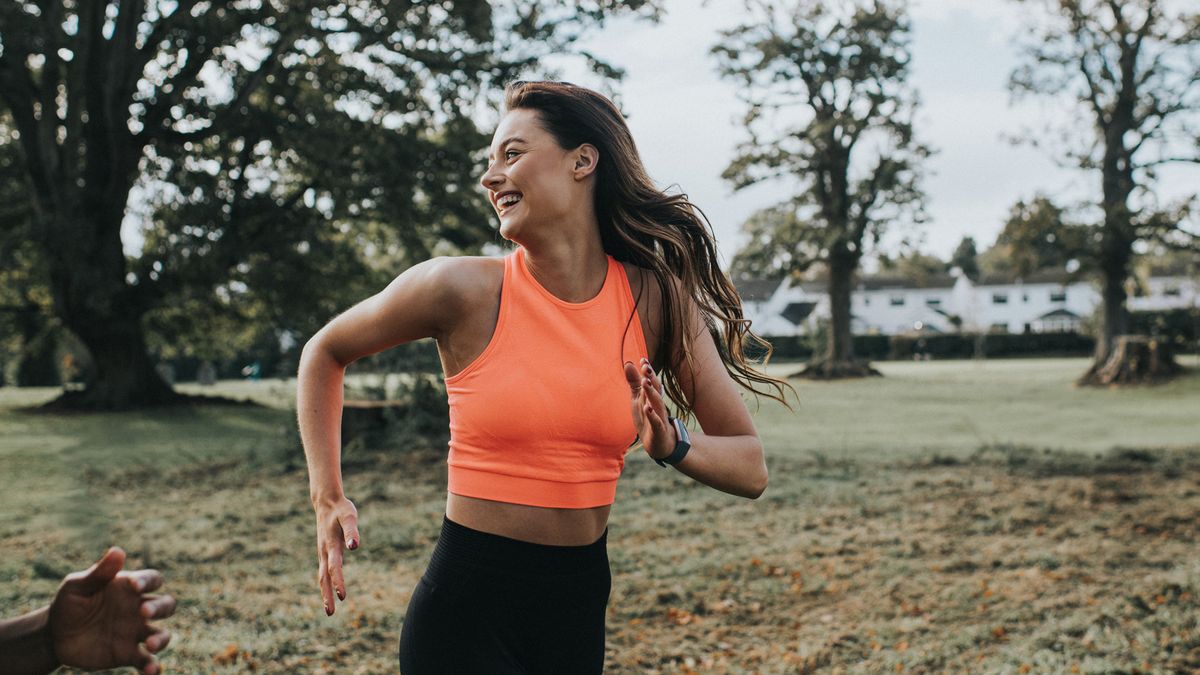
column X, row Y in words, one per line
column 945, row 346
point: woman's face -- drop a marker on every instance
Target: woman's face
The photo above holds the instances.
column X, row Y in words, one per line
column 526, row 163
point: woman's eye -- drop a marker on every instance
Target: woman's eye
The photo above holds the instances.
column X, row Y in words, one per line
column 510, row 152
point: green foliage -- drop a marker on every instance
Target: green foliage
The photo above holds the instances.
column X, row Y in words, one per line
column 420, row 411
column 284, row 159
column 913, row 265
column 1179, row 327
column 1037, row 236
column 763, row 255
column 966, row 258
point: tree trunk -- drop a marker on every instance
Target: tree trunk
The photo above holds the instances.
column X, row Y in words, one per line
column 1135, row 359
column 838, row 361
column 1115, row 319
column 124, row 375
column 87, row 277
column 1117, row 236
column 36, row 365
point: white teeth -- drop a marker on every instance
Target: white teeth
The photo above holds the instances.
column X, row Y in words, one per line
column 508, row 199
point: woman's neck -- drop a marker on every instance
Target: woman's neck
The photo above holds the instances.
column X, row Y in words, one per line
column 573, row 271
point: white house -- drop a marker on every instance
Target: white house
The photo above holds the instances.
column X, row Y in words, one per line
column 1040, row 303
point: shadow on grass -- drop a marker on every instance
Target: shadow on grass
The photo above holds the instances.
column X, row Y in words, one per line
column 1047, row 462
column 68, row 404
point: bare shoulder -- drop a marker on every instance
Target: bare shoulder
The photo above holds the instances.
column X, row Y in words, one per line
column 469, row 279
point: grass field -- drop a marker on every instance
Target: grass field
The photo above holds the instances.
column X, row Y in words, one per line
column 949, row 517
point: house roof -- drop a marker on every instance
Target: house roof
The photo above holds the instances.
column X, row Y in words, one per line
column 1059, row 314
column 755, row 290
column 880, row 282
column 1043, row 277
column 820, row 284
column 797, row 312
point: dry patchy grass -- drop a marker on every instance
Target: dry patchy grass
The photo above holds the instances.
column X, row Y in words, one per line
column 1011, row 561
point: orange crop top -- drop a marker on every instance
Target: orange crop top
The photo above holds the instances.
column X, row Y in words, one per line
column 542, row 416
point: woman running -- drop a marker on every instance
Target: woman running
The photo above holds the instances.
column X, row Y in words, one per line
column 551, row 357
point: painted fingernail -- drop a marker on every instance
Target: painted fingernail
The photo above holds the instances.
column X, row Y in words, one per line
column 341, row 595
column 353, row 544
column 327, row 610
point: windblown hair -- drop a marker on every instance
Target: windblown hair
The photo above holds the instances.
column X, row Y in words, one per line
column 664, row 234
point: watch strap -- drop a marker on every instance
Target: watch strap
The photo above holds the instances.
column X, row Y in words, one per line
column 683, row 443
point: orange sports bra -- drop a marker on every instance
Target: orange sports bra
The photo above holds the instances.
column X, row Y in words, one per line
column 542, row 417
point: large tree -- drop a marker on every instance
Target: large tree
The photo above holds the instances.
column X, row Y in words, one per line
column 1129, row 68
column 830, row 112
column 257, row 144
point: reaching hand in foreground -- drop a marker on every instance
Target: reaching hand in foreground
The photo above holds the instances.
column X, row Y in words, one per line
column 100, row 618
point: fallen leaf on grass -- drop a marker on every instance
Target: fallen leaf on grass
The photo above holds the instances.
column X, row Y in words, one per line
column 227, row 656
column 679, row 617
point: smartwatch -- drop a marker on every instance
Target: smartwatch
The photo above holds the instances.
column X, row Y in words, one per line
column 683, row 443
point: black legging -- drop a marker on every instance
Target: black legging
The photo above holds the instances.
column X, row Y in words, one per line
column 494, row 605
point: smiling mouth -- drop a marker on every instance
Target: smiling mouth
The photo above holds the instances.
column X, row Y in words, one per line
column 506, row 208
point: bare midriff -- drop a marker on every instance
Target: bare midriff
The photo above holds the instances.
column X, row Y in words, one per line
column 535, row 524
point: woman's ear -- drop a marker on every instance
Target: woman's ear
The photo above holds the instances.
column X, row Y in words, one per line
column 586, row 159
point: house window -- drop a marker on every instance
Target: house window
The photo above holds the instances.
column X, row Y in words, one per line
column 999, row 298
column 1058, row 296
column 897, row 300
column 1000, row 327
column 933, row 302
column 1171, row 291
column 867, row 301
column 1024, row 297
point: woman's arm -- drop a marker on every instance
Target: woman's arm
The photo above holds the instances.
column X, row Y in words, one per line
column 728, row 454
column 419, row 303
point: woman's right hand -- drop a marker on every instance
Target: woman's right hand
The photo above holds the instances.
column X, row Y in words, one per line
column 337, row 526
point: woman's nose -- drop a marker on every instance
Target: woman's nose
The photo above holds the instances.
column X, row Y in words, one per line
column 490, row 179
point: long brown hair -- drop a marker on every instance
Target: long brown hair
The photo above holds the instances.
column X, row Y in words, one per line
column 655, row 231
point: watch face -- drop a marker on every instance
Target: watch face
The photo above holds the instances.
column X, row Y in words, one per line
column 684, row 438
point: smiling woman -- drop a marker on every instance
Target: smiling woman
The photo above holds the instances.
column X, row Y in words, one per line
column 552, row 357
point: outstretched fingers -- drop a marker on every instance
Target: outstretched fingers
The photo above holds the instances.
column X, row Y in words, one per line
column 158, row 640
column 335, row 571
column 325, row 583
column 158, row 607
column 145, row 581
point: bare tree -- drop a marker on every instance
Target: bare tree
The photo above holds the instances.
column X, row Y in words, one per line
column 1132, row 69
column 833, row 80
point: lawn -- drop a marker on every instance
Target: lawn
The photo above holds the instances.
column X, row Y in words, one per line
column 951, row 516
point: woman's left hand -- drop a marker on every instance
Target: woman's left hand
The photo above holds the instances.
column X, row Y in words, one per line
column 649, row 410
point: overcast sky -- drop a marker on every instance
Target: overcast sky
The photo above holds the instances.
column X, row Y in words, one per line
column 684, row 117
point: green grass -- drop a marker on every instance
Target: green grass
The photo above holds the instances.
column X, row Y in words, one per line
column 952, row 407
column 951, row 516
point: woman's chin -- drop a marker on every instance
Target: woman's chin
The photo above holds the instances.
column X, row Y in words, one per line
column 508, row 228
